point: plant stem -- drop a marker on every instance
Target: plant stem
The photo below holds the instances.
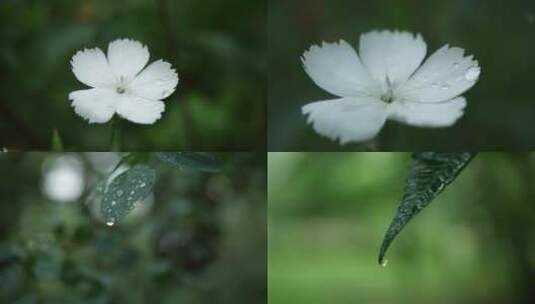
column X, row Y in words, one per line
column 115, row 138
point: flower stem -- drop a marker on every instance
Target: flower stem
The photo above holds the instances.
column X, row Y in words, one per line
column 115, row 138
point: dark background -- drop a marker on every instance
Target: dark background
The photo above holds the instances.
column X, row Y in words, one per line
column 217, row 47
column 201, row 237
column 328, row 213
column 501, row 35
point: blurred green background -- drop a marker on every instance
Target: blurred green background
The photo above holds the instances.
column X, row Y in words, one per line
column 501, row 35
column 217, row 47
column 200, row 238
column 328, row 213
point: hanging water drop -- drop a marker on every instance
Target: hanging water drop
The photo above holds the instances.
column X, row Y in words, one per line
column 384, row 263
column 472, row 73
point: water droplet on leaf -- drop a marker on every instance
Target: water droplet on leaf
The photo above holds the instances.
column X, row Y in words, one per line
column 384, row 263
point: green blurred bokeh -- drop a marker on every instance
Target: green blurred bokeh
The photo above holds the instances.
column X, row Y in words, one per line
column 217, row 47
column 500, row 34
column 201, row 237
column 328, row 213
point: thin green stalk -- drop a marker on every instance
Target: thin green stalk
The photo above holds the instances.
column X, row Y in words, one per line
column 115, row 139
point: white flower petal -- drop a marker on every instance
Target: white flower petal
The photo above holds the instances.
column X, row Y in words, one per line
column 157, row 81
column 347, row 119
column 442, row 114
column 336, row 68
column 140, row 110
column 393, row 55
column 127, row 57
column 444, row 75
column 96, row 105
column 91, row 68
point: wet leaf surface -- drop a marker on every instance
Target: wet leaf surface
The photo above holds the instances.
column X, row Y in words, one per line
column 430, row 173
column 191, row 160
column 126, row 191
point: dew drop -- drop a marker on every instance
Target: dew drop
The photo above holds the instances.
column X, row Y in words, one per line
column 113, row 203
column 384, row 263
column 472, row 73
column 110, row 222
column 119, row 192
column 142, row 185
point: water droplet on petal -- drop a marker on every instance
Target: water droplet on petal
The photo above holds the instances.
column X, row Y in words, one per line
column 384, row 263
column 472, row 73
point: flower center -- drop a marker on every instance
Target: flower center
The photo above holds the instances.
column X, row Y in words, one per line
column 388, row 96
column 121, row 85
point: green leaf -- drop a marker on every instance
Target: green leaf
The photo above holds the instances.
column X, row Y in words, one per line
column 125, row 191
column 56, row 144
column 191, row 160
column 430, row 173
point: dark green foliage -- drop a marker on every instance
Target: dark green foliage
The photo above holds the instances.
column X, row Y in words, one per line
column 430, row 173
column 294, row 27
column 220, row 59
column 191, row 160
column 200, row 240
column 126, row 191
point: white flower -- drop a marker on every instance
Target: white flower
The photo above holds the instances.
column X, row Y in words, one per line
column 386, row 82
column 120, row 84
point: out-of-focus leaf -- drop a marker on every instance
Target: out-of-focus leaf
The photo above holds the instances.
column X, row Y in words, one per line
column 191, row 160
column 27, row 299
column 430, row 173
column 12, row 278
column 9, row 253
column 126, row 191
column 47, row 267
